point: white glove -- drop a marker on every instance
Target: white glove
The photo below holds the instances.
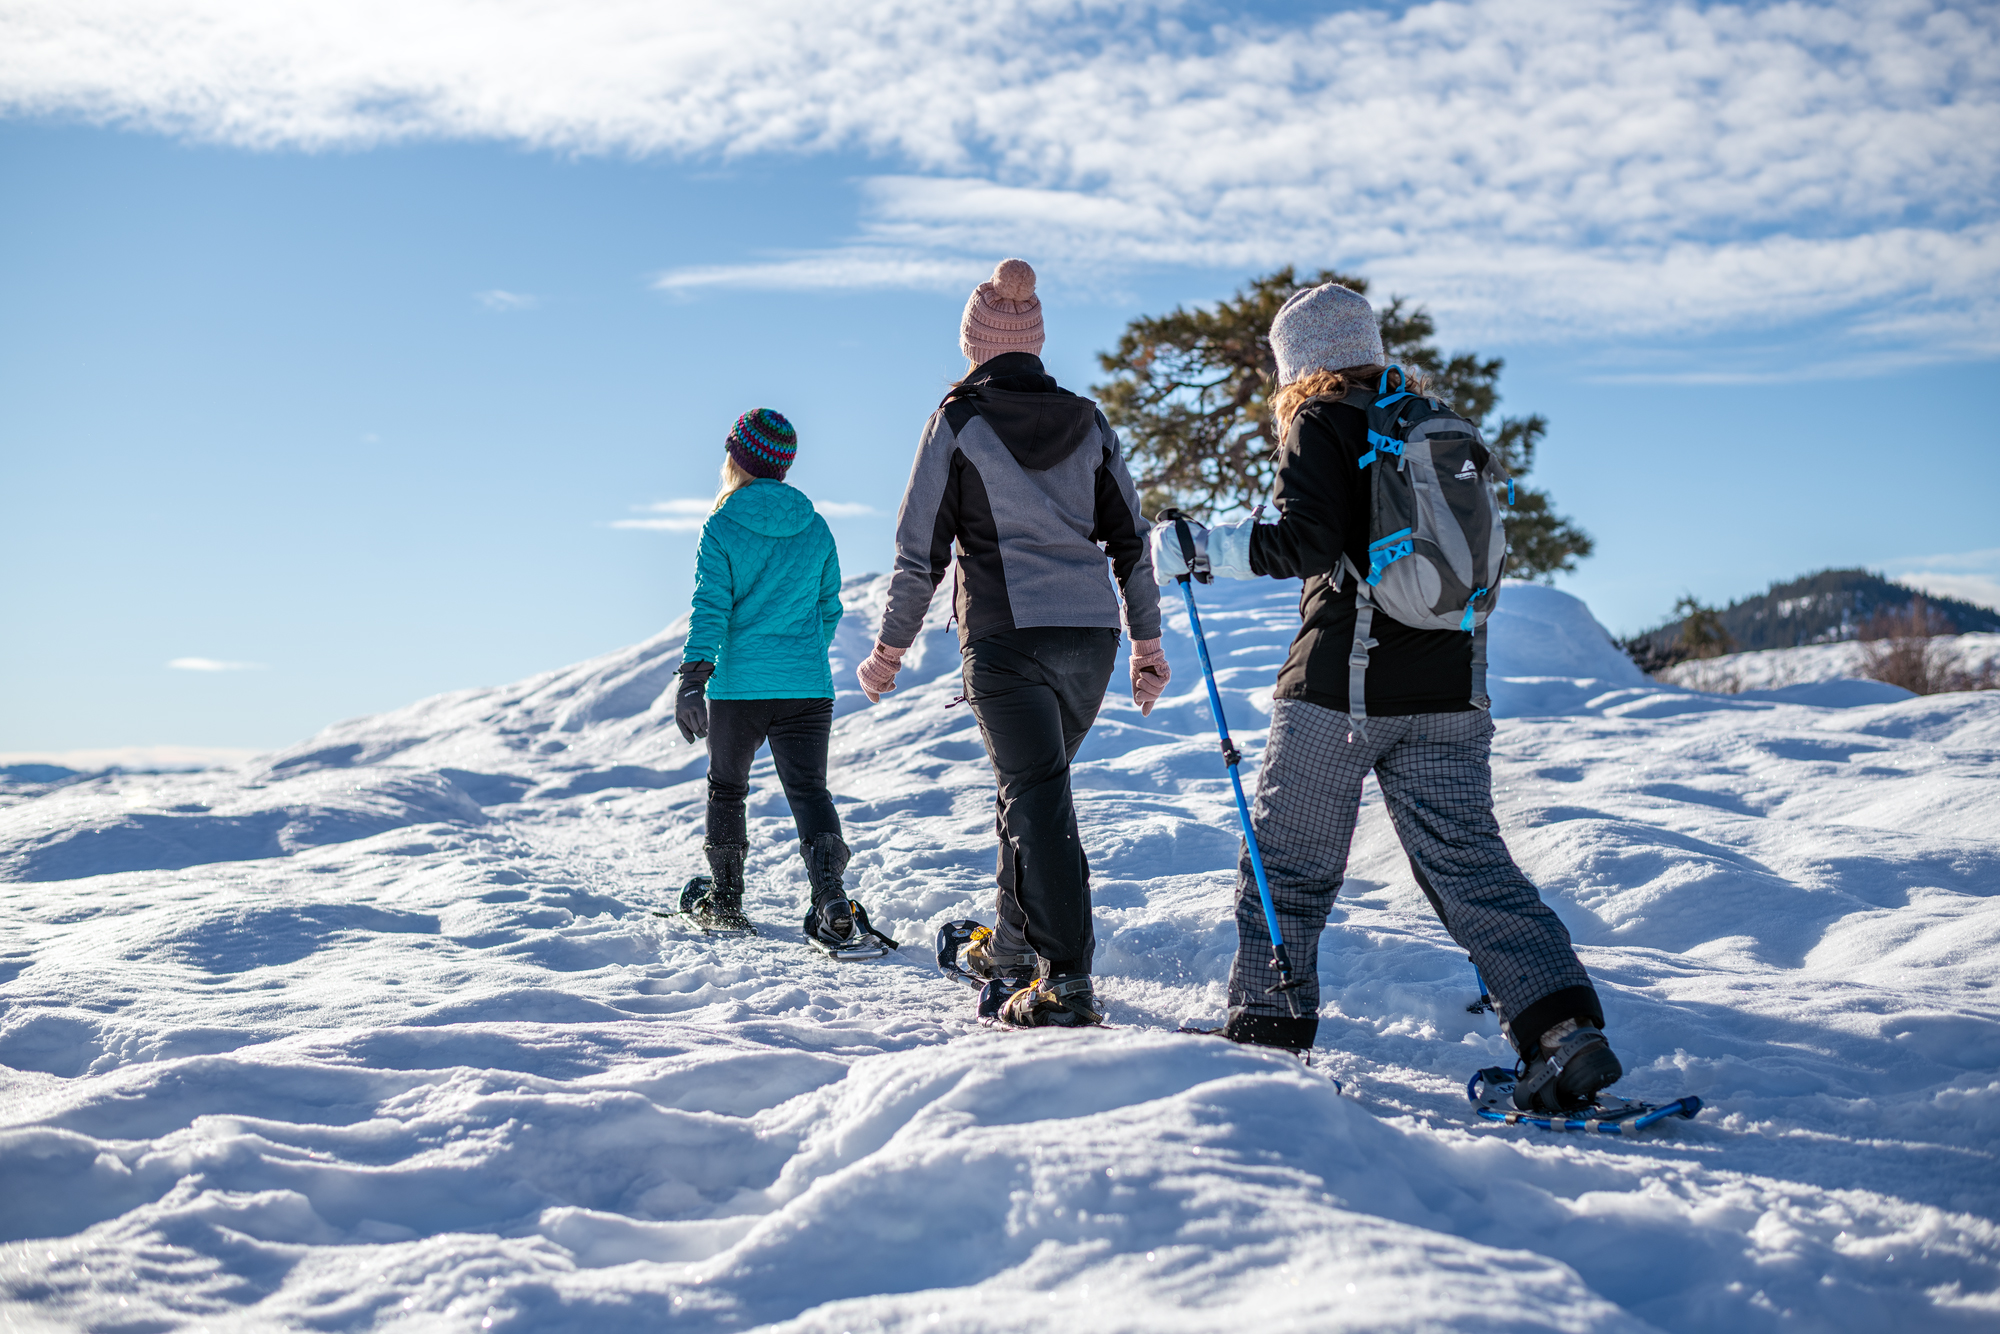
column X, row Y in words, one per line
column 1170, row 558
column 1228, row 550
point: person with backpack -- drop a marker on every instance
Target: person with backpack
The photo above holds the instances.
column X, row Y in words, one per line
column 754, row 669
column 1022, row 482
column 1386, row 509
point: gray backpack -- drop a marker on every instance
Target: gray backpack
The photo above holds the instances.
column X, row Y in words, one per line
column 1436, row 544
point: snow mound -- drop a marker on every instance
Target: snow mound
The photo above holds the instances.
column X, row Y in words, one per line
column 388, row 1031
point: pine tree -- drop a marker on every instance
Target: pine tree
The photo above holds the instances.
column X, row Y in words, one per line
column 1190, row 393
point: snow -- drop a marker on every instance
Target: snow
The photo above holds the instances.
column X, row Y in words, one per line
column 380, row 1031
column 1780, row 668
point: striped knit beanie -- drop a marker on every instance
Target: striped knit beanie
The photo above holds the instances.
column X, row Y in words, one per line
column 763, row 443
column 1003, row 314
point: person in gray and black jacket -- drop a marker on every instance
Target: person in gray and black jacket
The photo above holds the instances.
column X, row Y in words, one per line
column 1022, row 482
column 1427, row 740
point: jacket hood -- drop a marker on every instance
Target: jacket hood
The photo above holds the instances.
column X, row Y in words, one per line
column 1039, row 421
column 769, row 508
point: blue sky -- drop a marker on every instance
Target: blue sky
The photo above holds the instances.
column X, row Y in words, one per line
column 336, row 341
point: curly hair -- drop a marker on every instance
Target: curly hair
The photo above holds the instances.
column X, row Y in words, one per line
column 1285, row 404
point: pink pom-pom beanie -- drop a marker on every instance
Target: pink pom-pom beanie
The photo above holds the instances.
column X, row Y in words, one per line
column 1004, row 314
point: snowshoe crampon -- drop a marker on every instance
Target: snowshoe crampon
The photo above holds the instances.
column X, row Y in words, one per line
column 701, row 905
column 1492, row 1094
column 861, row 943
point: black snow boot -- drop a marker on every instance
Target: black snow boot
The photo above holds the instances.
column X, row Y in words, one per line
column 831, row 919
column 715, row 900
column 1568, row 1068
column 1053, row 1002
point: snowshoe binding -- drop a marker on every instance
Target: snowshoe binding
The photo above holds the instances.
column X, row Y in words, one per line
column 836, row 925
column 1053, row 1002
column 1561, row 1087
column 714, row 902
column 1570, row 1064
column 966, row 952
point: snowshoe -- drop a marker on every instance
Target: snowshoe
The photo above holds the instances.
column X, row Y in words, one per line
column 714, row 909
column 965, row 953
column 836, row 925
column 995, row 993
column 1568, row 1068
column 1067, row 1002
column 857, row 943
column 1492, row 1093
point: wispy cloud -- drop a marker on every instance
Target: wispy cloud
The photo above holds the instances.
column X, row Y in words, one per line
column 500, row 302
column 670, row 516
column 1564, row 167
column 1971, row 575
column 850, row 269
column 687, row 515
column 214, row 665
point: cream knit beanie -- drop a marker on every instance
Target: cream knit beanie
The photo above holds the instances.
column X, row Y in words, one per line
column 1325, row 328
column 1003, row 314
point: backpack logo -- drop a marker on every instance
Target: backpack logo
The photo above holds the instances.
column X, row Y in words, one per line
column 1466, row 472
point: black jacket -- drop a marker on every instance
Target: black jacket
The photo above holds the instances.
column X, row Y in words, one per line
column 1322, row 501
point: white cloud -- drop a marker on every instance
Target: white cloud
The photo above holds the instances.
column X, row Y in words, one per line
column 1563, row 167
column 500, row 302
column 214, row 665
column 854, row 268
column 687, row 515
column 670, row 516
column 1973, row 576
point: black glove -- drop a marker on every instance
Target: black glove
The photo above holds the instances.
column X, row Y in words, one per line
column 691, row 702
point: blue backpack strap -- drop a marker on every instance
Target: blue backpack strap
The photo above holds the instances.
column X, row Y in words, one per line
column 1383, row 398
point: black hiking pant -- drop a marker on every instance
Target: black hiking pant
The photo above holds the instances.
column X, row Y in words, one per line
column 798, row 730
column 1035, row 693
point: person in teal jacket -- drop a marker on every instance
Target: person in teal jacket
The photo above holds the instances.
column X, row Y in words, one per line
column 766, row 601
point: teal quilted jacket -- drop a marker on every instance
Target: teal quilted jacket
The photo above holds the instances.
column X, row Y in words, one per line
column 766, row 596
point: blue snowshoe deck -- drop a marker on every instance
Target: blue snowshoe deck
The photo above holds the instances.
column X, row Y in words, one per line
column 1491, row 1092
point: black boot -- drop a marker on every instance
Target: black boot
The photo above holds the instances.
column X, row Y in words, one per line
column 830, row 920
column 715, row 900
column 1568, row 1068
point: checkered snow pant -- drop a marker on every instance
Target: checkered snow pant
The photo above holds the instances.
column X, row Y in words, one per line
column 1435, row 771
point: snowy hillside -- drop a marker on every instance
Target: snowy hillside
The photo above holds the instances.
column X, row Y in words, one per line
column 379, row 1032
column 1775, row 669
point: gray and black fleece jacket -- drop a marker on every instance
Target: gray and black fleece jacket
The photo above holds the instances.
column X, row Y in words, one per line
column 1025, row 481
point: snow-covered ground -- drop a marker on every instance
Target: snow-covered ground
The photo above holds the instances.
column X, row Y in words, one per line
column 1774, row 669
column 381, row 1031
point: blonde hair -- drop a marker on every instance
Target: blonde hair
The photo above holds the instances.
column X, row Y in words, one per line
column 1285, row 404
column 734, row 479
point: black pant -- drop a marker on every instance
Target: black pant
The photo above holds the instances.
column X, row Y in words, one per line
column 798, row 730
column 1035, row 693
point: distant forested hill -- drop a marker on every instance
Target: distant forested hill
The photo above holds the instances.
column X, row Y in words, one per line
column 1823, row 607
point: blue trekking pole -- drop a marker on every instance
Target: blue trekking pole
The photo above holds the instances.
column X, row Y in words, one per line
column 1231, row 758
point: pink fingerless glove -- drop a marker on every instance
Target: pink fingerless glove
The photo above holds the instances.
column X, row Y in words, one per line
column 878, row 673
column 1150, row 673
